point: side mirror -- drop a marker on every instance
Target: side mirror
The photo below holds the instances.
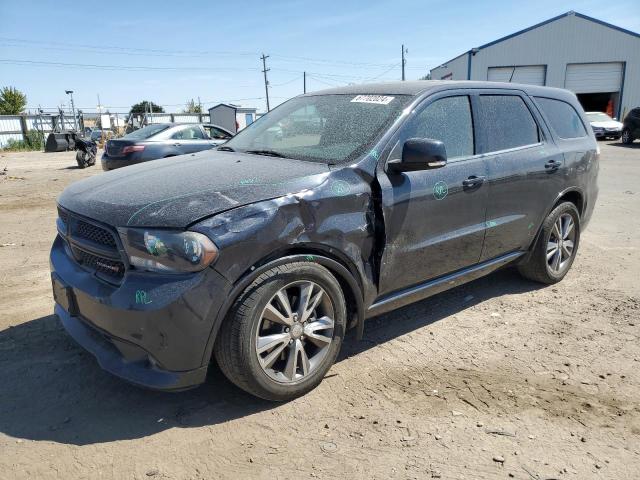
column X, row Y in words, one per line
column 420, row 154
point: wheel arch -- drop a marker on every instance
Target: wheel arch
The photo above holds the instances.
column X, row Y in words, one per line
column 571, row 194
column 345, row 273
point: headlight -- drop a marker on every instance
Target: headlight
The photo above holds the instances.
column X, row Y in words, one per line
column 168, row 251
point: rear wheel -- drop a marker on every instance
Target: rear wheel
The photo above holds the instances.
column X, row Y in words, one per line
column 556, row 247
column 626, row 137
column 82, row 159
column 284, row 332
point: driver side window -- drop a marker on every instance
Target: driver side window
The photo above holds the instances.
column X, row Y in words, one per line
column 448, row 120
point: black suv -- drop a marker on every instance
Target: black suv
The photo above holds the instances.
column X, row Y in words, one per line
column 336, row 206
column 631, row 127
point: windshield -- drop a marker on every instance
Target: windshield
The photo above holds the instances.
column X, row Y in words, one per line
column 146, row 132
column 322, row 128
column 599, row 117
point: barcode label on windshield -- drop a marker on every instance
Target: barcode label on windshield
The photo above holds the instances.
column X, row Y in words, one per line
column 378, row 99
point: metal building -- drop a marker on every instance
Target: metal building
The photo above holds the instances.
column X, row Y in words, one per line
column 598, row 61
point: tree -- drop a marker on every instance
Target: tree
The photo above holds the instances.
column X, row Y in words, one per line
column 192, row 107
column 142, row 107
column 12, row 101
column 426, row 77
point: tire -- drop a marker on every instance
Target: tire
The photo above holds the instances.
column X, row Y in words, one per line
column 80, row 159
column 247, row 326
column 539, row 267
column 626, row 137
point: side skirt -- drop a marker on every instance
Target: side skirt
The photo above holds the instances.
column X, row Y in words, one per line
column 433, row 287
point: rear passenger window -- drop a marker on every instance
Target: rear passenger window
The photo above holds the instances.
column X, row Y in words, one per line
column 506, row 122
column 448, row 120
column 563, row 118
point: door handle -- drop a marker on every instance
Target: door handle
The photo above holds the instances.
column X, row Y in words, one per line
column 177, row 144
column 552, row 165
column 473, row 181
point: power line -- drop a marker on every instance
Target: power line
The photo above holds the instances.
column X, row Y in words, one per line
column 119, row 50
column 121, row 67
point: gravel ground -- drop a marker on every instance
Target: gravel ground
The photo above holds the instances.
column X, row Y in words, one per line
column 500, row 378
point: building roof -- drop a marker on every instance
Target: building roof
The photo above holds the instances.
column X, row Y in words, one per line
column 237, row 108
column 541, row 24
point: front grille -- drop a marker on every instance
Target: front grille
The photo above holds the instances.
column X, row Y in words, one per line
column 94, row 233
column 103, row 265
column 93, row 246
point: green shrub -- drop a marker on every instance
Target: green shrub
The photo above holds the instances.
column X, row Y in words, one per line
column 33, row 141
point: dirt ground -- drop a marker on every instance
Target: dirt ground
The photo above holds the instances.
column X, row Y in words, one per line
column 500, row 378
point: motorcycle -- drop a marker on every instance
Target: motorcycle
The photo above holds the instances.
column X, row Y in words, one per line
column 86, row 151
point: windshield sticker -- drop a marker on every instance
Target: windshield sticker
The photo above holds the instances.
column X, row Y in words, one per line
column 440, row 190
column 377, row 99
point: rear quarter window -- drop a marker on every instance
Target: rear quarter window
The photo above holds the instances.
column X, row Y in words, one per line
column 506, row 122
column 563, row 118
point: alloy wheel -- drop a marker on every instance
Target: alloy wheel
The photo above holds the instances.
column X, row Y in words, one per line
column 561, row 244
column 295, row 331
column 626, row 136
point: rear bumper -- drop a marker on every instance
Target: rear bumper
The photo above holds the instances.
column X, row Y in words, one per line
column 111, row 163
column 126, row 360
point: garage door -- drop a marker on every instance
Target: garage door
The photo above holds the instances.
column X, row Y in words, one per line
column 593, row 77
column 529, row 74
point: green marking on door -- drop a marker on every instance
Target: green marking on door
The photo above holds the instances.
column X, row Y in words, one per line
column 440, row 190
column 340, row 187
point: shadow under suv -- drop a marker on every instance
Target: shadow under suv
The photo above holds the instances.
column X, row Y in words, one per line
column 262, row 253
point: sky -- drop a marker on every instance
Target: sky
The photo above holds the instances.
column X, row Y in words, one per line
column 170, row 52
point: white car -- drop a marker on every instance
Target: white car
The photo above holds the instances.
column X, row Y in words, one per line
column 603, row 125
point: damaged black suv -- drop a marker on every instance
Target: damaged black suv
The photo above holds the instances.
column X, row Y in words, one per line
column 336, row 206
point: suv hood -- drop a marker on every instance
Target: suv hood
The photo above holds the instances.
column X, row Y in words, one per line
column 178, row 191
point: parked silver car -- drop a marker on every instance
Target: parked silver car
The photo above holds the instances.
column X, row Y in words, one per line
column 603, row 125
column 160, row 141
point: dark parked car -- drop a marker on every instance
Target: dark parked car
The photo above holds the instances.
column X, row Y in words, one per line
column 160, row 141
column 262, row 253
column 631, row 127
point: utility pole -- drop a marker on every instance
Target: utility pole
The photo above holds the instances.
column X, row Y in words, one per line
column 266, row 82
column 404, row 62
column 304, row 82
column 73, row 110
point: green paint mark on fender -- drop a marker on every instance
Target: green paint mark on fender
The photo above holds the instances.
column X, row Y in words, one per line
column 141, row 298
column 374, row 153
column 310, row 258
column 440, row 190
column 491, row 224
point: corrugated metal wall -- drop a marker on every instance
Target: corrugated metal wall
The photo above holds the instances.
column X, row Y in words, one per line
column 568, row 40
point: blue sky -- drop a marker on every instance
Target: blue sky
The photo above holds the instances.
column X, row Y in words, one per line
column 170, row 52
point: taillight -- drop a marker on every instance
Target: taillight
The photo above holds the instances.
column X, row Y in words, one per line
column 132, row 148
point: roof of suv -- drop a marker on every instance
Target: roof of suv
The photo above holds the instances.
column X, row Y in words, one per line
column 419, row 87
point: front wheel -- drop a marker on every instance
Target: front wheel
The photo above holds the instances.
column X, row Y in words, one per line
column 556, row 247
column 626, row 137
column 284, row 332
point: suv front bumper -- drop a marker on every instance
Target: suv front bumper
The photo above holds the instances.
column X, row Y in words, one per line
column 159, row 338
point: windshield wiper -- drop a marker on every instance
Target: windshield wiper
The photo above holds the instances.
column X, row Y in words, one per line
column 268, row 153
column 224, row 148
